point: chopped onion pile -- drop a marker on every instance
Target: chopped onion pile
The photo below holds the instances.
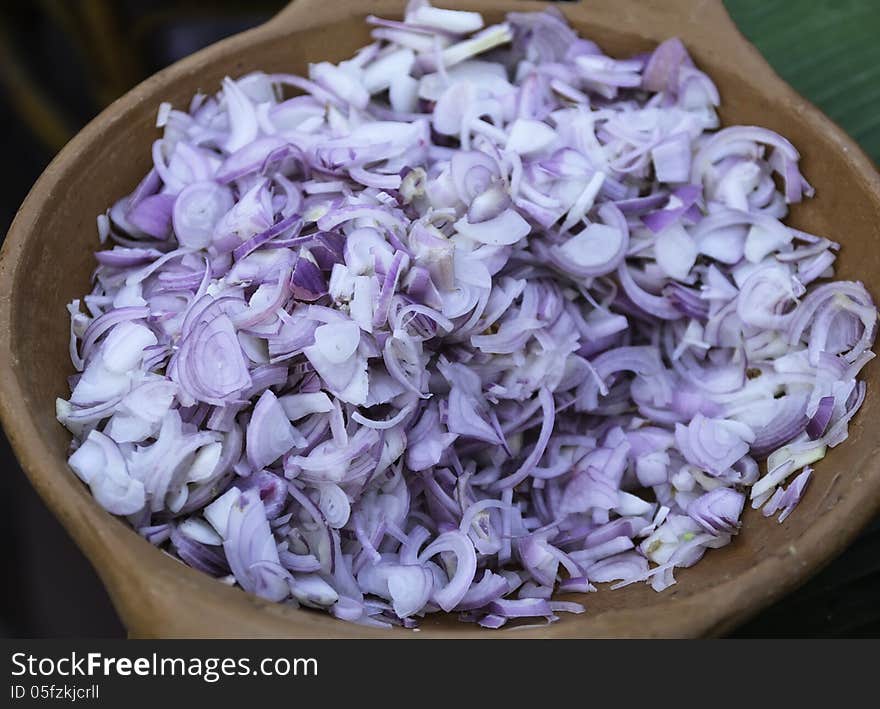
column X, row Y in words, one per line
column 480, row 314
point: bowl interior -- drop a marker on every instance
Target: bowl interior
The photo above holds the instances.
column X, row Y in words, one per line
column 49, row 261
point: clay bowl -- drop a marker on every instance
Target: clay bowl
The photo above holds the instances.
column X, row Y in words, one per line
column 47, row 259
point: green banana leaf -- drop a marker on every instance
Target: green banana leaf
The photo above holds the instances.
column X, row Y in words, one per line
column 828, row 50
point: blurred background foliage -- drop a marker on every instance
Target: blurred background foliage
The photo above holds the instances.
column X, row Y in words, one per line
column 62, row 61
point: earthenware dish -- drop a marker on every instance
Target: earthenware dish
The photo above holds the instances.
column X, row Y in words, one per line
column 47, row 258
